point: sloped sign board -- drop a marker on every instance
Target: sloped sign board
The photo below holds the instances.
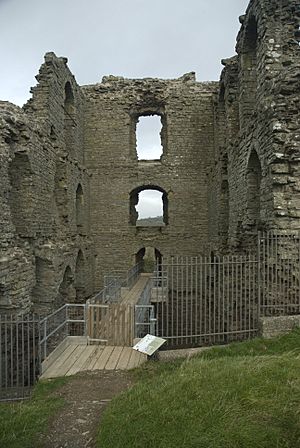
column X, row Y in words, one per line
column 149, row 344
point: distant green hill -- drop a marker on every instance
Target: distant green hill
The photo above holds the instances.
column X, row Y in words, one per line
column 150, row 222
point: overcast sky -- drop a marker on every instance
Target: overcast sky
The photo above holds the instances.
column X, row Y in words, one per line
column 131, row 38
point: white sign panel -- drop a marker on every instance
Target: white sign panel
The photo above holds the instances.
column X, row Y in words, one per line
column 149, row 344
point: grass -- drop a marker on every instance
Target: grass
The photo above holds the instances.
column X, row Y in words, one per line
column 21, row 422
column 246, row 395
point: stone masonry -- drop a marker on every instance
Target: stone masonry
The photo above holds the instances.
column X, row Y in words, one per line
column 70, row 175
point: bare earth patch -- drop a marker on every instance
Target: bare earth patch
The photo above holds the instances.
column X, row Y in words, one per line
column 86, row 396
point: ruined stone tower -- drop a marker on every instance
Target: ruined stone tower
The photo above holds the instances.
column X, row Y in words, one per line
column 70, row 174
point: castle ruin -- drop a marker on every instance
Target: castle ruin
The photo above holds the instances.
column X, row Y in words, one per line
column 70, row 174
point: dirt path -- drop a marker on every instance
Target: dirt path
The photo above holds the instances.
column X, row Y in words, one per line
column 86, row 397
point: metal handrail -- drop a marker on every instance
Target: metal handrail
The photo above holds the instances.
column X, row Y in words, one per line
column 46, row 321
column 112, row 291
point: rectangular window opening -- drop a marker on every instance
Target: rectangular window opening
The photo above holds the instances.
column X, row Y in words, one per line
column 148, row 137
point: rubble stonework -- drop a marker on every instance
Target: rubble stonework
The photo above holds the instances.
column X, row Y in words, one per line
column 70, row 174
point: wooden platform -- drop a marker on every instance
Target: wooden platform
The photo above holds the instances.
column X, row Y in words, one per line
column 133, row 295
column 114, row 323
column 72, row 357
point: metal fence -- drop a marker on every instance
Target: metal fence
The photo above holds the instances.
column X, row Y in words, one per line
column 114, row 282
column 69, row 320
column 191, row 301
column 20, row 358
column 279, row 274
column 207, row 300
column 215, row 300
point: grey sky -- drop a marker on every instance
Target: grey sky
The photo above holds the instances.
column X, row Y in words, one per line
column 131, row 38
column 150, row 204
column 148, row 137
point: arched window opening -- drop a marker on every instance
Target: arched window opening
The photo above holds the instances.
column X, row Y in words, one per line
column 249, row 68
column 20, row 197
column 69, row 99
column 66, row 291
column 148, row 207
column 150, row 258
column 79, row 209
column 61, row 192
column 80, row 278
column 69, row 121
column 150, row 137
column 254, row 176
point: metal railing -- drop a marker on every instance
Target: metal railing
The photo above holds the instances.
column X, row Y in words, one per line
column 113, row 284
column 20, row 357
column 145, row 321
column 279, row 273
column 208, row 300
column 195, row 300
column 69, row 320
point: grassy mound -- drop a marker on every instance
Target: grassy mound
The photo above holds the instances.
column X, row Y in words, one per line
column 243, row 396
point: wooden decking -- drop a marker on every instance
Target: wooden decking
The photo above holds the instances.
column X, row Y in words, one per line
column 113, row 324
column 73, row 357
column 133, row 295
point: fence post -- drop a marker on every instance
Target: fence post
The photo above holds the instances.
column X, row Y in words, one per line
column 39, row 345
column 85, row 318
column 259, row 273
column 45, row 338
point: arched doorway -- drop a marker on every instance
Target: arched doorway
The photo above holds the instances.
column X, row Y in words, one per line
column 66, row 291
column 80, row 278
column 254, row 176
column 150, row 258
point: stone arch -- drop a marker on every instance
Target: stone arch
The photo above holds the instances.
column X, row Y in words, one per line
column 253, row 181
column 21, row 194
column 134, row 199
column 150, row 258
column 69, row 117
column 80, row 278
column 79, row 209
column 61, row 192
column 69, row 101
column 66, row 293
column 249, row 67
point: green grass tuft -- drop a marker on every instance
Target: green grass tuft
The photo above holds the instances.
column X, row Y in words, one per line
column 246, row 395
column 20, row 422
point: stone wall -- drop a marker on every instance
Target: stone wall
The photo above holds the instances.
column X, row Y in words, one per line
column 271, row 327
column 40, row 174
column 257, row 124
column 111, row 112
